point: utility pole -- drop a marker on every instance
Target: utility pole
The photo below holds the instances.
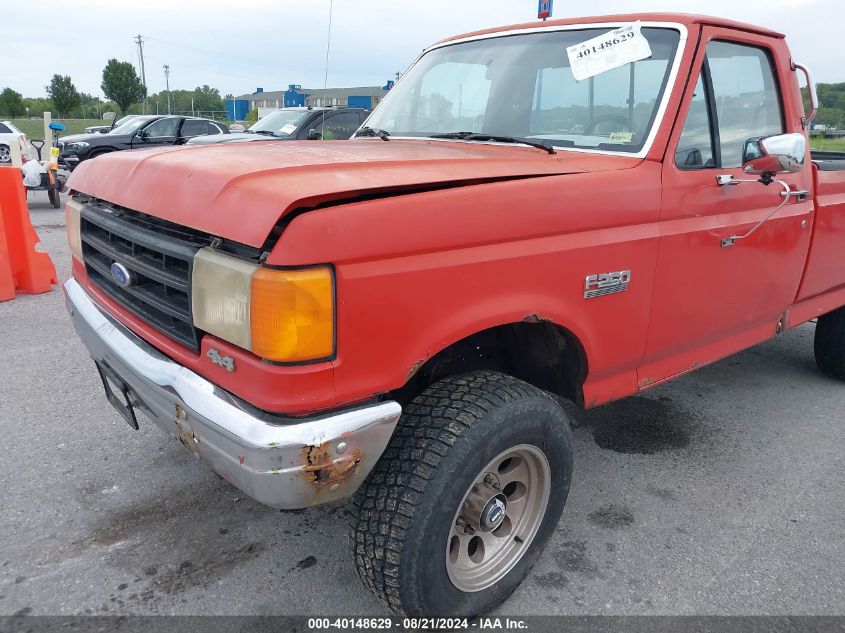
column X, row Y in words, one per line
column 167, row 81
column 140, row 41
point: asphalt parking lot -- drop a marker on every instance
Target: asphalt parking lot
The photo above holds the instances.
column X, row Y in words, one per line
column 721, row 493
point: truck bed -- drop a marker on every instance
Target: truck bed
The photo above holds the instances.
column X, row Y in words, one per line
column 829, row 161
column 826, row 259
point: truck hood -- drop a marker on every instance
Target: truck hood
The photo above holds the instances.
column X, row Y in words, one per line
column 72, row 138
column 240, row 191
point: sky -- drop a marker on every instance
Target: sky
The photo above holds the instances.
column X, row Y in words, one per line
column 239, row 46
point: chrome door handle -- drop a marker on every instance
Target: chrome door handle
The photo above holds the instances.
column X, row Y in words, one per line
column 800, row 194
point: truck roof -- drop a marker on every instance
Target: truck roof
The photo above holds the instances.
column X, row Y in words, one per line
column 680, row 18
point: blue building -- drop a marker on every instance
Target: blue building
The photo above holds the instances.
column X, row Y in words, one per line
column 294, row 97
column 236, row 109
column 367, row 97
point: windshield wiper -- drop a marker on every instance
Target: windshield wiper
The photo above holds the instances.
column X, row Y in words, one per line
column 369, row 131
column 477, row 136
column 265, row 132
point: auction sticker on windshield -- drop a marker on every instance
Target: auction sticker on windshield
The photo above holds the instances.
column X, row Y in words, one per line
column 613, row 49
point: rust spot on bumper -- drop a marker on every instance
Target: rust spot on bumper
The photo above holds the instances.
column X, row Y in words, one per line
column 184, row 433
column 322, row 472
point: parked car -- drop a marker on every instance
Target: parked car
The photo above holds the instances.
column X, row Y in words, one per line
column 105, row 129
column 562, row 213
column 291, row 124
column 10, row 134
column 139, row 131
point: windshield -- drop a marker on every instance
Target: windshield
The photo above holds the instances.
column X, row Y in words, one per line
column 124, row 119
column 130, row 126
column 523, row 86
column 281, row 122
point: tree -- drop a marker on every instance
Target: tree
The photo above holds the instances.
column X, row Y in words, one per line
column 251, row 116
column 63, row 93
column 830, row 118
column 11, row 103
column 207, row 99
column 122, row 85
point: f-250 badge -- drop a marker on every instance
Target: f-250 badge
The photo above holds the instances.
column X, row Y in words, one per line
column 606, row 284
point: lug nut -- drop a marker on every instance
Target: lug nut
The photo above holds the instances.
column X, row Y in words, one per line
column 461, row 523
column 491, row 481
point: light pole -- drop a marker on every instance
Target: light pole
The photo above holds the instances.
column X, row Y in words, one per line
column 167, row 81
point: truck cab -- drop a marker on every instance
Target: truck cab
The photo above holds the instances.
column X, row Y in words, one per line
column 573, row 209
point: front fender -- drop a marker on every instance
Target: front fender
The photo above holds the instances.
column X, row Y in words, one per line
column 477, row 257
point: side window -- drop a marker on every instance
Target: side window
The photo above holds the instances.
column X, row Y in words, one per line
column 695, row 149
column 339, row 127
column 4, row 129
column 162, row 128
column 746, row 97
column 192, row 127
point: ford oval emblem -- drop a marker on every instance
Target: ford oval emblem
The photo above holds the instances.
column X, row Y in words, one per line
column 121, row 275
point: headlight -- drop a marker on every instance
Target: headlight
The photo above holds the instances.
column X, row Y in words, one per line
column 73, row 219
column 79, row 145
column 281, row 315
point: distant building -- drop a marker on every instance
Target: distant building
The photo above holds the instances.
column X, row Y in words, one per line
column 367, row 97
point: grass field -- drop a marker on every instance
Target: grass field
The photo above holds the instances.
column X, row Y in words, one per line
column 827, row 144
column 34, row 128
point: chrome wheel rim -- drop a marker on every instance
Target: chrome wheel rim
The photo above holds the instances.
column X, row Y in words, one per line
column 498, row 518
column 5, row 155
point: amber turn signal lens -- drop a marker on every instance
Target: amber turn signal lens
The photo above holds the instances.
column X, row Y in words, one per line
column 292, row 314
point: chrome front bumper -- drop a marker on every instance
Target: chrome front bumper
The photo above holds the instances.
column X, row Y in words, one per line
column 282, row 462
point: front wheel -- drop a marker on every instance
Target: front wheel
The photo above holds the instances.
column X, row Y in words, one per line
column 5, row 154
column 465, row 497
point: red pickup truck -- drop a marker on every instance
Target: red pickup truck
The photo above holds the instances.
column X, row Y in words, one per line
column 577, row 209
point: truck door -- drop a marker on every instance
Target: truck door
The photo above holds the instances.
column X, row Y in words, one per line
column 710, row 300
column 159, row 132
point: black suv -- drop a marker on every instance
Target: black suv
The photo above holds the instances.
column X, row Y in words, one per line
column 140, row 131
column 290, row 124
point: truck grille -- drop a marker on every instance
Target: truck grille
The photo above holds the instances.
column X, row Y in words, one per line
column 159, row 256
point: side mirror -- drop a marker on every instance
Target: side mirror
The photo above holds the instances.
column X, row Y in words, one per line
column 313, row 135
column 141, row 136
column 772, row 155
column 767, row 157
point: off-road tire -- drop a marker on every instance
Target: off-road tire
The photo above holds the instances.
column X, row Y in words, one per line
column 829, row 345
column 403, row 513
